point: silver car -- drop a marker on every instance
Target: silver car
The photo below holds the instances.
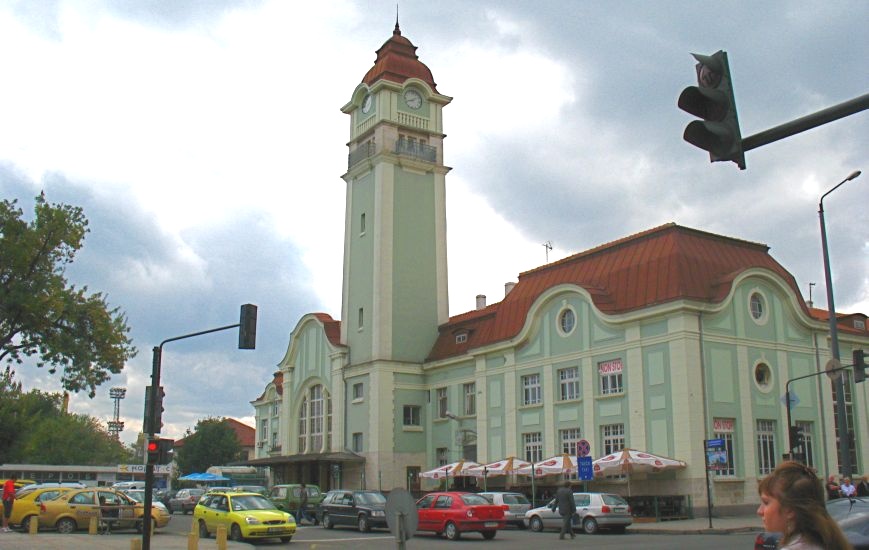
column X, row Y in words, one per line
column 593, row 510
column 515, row 505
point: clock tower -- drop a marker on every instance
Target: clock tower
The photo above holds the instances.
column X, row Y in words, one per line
column 395, row 257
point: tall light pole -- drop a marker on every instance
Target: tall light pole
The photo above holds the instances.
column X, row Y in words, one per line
column 841, row 414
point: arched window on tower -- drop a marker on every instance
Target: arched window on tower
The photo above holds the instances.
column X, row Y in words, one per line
column 315, row 420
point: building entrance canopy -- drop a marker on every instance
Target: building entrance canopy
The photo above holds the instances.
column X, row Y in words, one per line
column 307, row 457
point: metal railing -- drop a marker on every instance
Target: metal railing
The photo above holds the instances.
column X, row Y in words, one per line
column 416, row 150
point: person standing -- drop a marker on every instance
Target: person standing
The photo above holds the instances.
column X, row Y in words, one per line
column 303, row 504
column 832, row 488
column 792, row 503
column 8, row 501
column 863, row 487
column 847, row 489
column 567, row 508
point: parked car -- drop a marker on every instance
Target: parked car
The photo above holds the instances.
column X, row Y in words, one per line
column 515, row 505
column 594, row 511
column 74, row 509
column 454, row 513
column 165, row 495
column 852, row 515
column 139, row 496
column 27, row 504
column 287, row 496
column 126, row 485
column 362, row 509
column 54, row 484
column 185, row 500
column 251, row 489
column 245, row 516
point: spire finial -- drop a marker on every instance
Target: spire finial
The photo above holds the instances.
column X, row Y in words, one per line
column 397, row 30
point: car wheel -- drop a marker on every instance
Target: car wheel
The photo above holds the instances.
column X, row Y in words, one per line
column 66, row 526
column 364, row 526
column 452, row 532
column 286, row 539
column 203, row 530
column 536, row 524
column 489, row 535
column 235, row 533
column 327, row 522
column 589, row 525
column 25, row 524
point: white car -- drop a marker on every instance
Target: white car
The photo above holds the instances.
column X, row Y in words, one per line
column 515, row 505
column 593, row 511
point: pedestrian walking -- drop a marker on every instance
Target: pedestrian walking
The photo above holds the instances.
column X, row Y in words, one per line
column 863, row 486
column 792, row 503
column 8, row 502
column 303, row 504
column 566, row 508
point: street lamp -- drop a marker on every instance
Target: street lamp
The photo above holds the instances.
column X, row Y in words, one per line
column 841, row 414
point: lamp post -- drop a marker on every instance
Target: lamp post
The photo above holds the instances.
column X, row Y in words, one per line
column 841, row 414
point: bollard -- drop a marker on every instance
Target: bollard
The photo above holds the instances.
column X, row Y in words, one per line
column 221, row 537
column 192, row 541
column 135, row 544
column 33, row 525
column 92, row 526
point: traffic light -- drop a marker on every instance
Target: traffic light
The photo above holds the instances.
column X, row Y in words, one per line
column 152, row 451
column 247, row 327
column 165, row 451
column 714, row 102
column 148, row 416
column 795, row 434
column 153, row 410
column 859, row 365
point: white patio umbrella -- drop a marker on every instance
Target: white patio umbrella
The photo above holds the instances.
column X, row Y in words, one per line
column 509, row 465
column 628, row 461
column 455, row 469
column 558, row 464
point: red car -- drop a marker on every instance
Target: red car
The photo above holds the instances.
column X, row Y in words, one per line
column 454, row 513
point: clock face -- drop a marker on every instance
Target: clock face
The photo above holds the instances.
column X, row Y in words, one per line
column 367, row 103
column 413, row 99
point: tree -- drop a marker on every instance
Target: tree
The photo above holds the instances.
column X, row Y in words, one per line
column 213, row 443
column 42, row 315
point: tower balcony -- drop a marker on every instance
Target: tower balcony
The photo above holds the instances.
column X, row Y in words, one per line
column 403, row 147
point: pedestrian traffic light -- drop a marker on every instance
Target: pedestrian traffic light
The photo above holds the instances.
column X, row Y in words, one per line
column 795, row 434
column 713, row 101
column 165, row 450
column 247, row 327
column 152, row 451
column 859, row 365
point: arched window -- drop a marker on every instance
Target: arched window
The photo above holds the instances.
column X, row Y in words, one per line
column 315, row 420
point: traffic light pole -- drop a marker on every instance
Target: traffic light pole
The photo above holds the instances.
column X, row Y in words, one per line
column 246, row 340
column 788, row 391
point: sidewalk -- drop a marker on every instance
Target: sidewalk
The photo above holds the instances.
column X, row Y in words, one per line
column 700, row 525
column 56, row 541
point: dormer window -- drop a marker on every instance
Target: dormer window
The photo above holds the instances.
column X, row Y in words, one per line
column 461, row 337
column 860, row 324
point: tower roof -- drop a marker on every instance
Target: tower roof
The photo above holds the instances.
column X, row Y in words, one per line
column 397, row 62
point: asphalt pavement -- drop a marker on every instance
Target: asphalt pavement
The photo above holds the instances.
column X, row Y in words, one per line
column 165, row 541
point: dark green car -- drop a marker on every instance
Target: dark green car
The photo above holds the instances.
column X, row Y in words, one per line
column 287, row 496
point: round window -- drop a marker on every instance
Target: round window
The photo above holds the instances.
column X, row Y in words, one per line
column 758, row 307
column 763, row 376
column 567, row 321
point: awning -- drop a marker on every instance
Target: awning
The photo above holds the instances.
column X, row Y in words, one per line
column 306, row 457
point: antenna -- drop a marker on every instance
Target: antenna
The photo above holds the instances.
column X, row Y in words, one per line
column 548, row 246
column 810, row 292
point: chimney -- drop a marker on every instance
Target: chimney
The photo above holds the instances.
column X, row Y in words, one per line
column 481, row 301
column 508, row 287
column 810, row 304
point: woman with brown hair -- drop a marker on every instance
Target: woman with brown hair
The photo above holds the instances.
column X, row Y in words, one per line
column 792, row 502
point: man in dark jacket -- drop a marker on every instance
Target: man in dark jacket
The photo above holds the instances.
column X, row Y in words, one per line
column 567, row 509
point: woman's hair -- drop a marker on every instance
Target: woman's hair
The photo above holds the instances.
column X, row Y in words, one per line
column 800, row 492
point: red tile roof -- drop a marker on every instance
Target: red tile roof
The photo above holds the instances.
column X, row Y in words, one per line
column 331, row 327
column 656, row 266
column 844, row 321
column 397, row 61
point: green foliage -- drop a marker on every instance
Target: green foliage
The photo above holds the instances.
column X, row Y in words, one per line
column 41, row 315
column 35, row 430
column 213, row 443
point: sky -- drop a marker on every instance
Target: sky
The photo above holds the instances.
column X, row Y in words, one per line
column 204, row 141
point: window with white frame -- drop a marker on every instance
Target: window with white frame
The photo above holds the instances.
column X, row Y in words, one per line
column 442, row 456
column 315, row 420
column 808, row 442
column 531, row 392
column 765, row 446
column 469, row 404
column 303, row 425
column 411, row 415
column 613, row 437
column 533, row 443
column 568, row 383
column 610, row 373
column 358, row 391
column 276, row 408
column 274, row 444
column 441, row 401
column 723, row 429
column 569, row 440
column 357, row 442
column 263, row 429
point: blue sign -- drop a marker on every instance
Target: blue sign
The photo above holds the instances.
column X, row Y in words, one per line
column 586, row 472
column 714, row 443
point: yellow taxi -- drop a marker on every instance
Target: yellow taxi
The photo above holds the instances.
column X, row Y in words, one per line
column 27, row 504
column 74, row 509
column 245, row 516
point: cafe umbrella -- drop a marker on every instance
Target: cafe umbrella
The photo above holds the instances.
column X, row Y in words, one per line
column 455, row 469
column 630, row 461
column 509, row 465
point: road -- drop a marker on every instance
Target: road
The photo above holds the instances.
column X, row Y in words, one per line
column 508, row 539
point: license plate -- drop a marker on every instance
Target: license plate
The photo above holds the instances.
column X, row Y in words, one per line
column 620, row 509
column 490, row 524
column 275, row 530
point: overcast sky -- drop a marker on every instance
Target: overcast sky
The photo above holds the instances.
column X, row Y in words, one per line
column 205, row 142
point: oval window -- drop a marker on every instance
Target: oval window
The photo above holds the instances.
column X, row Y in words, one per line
column 763, row 376
column 567, row 321
column 757, row 305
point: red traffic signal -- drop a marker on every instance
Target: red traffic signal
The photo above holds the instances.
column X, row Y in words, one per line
column 152, row 450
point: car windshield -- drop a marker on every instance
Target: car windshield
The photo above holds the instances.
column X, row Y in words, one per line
column 474, row 500
column 614, row 500
column 848, row 512
column 251, row 502
column 515, row 499
column 371, row 498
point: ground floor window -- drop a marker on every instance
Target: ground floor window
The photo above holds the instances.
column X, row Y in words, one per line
column 808, row 443
column 723, row 429
column 765, row 446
